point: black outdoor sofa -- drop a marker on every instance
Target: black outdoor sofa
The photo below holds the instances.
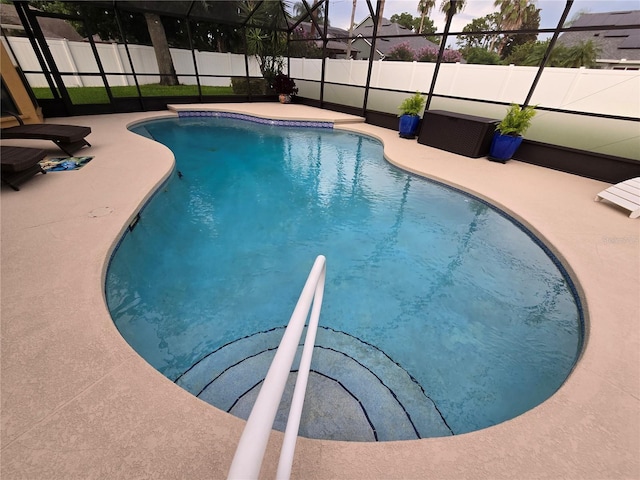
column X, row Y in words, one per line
column 20, row 164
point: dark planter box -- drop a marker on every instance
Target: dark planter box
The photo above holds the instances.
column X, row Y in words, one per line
column 599, row 166
column 466, row 135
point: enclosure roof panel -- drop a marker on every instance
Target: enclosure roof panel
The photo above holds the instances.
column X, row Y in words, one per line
column 267, row 14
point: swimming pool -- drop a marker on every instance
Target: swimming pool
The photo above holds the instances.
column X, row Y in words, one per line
column 441, row 315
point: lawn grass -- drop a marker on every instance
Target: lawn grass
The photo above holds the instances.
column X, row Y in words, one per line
column 89, row 95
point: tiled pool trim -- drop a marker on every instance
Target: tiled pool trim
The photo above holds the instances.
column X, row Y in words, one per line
column 251, row 118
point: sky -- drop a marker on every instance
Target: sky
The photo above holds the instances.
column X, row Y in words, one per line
column 340, row 10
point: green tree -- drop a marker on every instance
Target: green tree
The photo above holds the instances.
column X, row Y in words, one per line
column 531, row 54
column 216, row 37
column 482, row 56
column 484, row 24
column 428, row 29
column 521, row 53
column 405, row 19
column 302, row 45
column 416, row 24
column 266, row 42
column 511, row 13
column 300, row 11
column 583, row 54
column 206, row 36
column 514, row 14
column 101, row 21
column 531, row 22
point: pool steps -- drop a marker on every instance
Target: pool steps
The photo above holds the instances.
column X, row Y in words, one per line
column 369, row 399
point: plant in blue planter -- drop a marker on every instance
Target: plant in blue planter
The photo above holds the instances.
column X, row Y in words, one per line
column 410, row 110
column 508, row 135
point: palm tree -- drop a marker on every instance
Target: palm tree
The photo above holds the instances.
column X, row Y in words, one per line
column 458, row 6
column 314, row 16
column 381, row 13
column 300, row 11
column 353, row 16
column 584, row 54
column 513, row 14
column 268, row 44
column 424, row 9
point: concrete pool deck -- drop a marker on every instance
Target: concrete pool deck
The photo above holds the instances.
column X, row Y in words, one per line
column 78, row 402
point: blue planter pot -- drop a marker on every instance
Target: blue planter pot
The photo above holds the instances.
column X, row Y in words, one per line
column 503, row 147
column 408, row 125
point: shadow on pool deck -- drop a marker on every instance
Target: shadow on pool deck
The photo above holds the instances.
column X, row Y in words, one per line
column 77, row 402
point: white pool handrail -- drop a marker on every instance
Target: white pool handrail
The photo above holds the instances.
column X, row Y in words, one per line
column 247, row 460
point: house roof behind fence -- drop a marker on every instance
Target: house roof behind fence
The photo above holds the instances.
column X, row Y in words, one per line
column 613, row 44
column 332, row 33
column 386, row 45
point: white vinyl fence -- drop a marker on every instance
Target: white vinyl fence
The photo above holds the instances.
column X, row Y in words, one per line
column 613, row 92
column 610, row 92
column 78, row 57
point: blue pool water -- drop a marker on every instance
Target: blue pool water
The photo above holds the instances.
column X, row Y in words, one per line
column 428, row 290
